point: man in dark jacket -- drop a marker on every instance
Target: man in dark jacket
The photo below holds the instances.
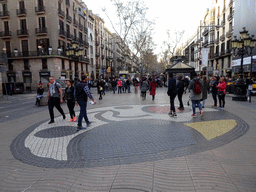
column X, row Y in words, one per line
column 214, row 89
column 114, row 84
column 81, row 94
column 172, row 92
column 180, row 89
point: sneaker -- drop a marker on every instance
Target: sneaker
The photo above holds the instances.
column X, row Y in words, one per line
column 201, row 113
column 193, row 115
column 64, row 116
column 170, row 113
column 51, row 122
column 74, row 119
column 202, row 106
column 174, row 115
column 89, row 123
column 80, row 128
column 214, row 106
column 70, row 120
column 181, row 108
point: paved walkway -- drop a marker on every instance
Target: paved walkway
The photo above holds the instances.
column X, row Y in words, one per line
column 132, row 145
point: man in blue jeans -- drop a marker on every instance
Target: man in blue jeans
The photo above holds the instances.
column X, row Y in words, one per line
column 81, row 94
column 195, row 86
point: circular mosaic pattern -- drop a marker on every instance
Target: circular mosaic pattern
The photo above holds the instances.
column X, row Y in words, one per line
column 163, row 109
column 129, row 136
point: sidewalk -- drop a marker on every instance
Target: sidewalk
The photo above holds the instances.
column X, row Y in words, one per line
column 132, row 145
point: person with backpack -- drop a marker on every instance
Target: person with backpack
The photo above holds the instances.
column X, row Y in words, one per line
column 144, row 86
column 54, row 98
column 195, row 86
column 114, row 84
column 172, row 92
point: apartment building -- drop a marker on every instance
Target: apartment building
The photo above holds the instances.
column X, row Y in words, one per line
column 35, row 34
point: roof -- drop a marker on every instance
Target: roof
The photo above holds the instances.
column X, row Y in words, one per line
column 180, row 68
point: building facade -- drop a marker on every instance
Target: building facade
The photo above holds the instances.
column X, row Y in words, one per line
column 35, row 45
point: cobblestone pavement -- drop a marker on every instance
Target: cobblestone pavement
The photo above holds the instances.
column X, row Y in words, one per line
column 132, row 145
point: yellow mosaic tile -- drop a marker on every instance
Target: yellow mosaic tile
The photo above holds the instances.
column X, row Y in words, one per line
column 213, row 129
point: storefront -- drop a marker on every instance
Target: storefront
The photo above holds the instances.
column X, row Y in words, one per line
column 11, row 77
column 27, row 79
column 44, row 78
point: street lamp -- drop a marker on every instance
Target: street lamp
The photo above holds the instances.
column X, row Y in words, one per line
column 242, row 47
column 74, row 53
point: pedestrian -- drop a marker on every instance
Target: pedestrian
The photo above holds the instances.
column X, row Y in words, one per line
column 186, row 84
column 153, row 86
column 40, row 92
column 172, row 92
column 205, row 88
column 136, row 84
column 180, row 91
column 69, row 97
column 124, row 86
column 114, row 84
column 89, row 83
column 214, row 90
column 195, row 87
column 11, row 89
column 103, row 85
column 221, row 92
column 128, row 85
column 100, row 88
column 119, row 84
column 143, row 88
column 81, row 94
column 54, row 98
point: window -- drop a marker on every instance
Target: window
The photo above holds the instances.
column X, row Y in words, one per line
column 6, row 26
column 24, row 44
column 8, row 48
column 82, row 67
column 80, row 36
column 40, row 3
column 91, row 49
column 67, row 2
column 23, row 24
column 70, row 65
column 63, row 63
column 5, row 7
column 44, row 64
column 22, row 5
column 61, row 23
column 41, row 22
column 26, row 64
column 75, row 33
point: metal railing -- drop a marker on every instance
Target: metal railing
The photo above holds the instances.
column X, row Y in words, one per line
column 21, row 12
column 4, row 14
column 41, row 30
column 70, row 36
column 69, row 18
column 5, row 33
column 62, row 32
column 22, row 32
column 40, row 9
column 222, row 37
column 61, row 13
column 75, row 22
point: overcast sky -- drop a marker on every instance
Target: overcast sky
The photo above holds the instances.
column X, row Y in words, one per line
column 171, row 14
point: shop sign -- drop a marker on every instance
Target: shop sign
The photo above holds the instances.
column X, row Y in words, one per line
column 44, row 73
column 27, row 74
column 11, row 74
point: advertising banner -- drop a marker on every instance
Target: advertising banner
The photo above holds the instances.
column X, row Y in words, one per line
column 205, row 52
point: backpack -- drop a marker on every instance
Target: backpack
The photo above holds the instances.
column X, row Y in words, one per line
column 197, row 89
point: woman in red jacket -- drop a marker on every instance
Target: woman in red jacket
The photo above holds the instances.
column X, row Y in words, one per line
column 221, row 92
column 153, row 86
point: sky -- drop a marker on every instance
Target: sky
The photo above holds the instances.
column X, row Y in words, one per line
column 171, row 15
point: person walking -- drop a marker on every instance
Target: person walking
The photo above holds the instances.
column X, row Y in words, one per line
column 195, row 87
column 180, row 91
column 40, row 92
column 119, row 84
column 143, row 88
column 205, row 87
column 153, row 86
column 114, row 84
column 54, row 98
column 128, row 84
column 100, row 88
column 172, row 92
column 221, row 92
column 69, row 97
column 81, row 94
column 214, row 90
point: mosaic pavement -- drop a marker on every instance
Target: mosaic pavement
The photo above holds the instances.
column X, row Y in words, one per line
column 126, row 135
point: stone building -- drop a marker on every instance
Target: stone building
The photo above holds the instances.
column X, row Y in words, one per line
column 35, row 35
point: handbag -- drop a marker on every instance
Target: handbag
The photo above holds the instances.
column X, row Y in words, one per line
column 101, row 88
column 220, row 93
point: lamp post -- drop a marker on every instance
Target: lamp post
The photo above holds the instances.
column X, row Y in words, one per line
column 242, row 47
column 74, row 53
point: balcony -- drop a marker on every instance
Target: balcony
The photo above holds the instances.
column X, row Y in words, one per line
column 230, row 17
column 68, row 18
column 5, row 34
column 42, row 53
column 205, row 43
column 97, row 54
column 97, row 43
column 61, row 13
column 206, row 31
column 41, row 31
column 102, row 46
column 86, row 44
column 228, row 51
column 70, row 36
column 97, row 66
column 81, row 41
column 75, row 22
column 212, row 42
column 229, row 34
column 223, row 22
column 4, row 14
column 223, row 52
column 85, row 59
column 22, row 33
column 211, row 29
column 216, row 55
column 40, row 10
column 21, row 12
column 102, row 56
column 222, row 37
column 230, row 3
column 81, row 26
column 85, row 29
column 76, row 39
column 62, row 33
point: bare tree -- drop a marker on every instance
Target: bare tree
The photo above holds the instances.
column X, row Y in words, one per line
column 169, row 46
column 132, row 26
